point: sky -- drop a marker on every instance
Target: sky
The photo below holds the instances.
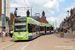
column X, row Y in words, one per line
column 55, row 10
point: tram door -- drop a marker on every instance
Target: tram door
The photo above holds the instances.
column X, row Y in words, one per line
column 45, row 30
column 50, row 30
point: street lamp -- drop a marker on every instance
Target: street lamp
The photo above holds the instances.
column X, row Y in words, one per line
column 56, row 23
column 68, row 13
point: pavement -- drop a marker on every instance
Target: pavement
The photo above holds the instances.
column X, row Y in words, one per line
column 45, row 42
column 7, row 39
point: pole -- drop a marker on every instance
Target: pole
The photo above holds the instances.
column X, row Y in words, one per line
column 4, row 16
column 68, row 13
column 55, row 23
column 31, row 11
column 5, row 13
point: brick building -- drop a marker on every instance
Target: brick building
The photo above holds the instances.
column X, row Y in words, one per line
column 68, row 22
column 43, row 18
column 72, row 12
column 0, row 8
column 11, row 19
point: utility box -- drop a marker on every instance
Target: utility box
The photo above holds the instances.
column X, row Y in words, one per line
column 74, row 35
column 61, row 34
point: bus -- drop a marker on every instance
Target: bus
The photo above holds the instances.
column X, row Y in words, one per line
column 27, row 28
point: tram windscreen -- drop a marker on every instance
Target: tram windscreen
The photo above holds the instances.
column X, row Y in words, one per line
column 20, row 20
column 20, row 28
column 20, row 24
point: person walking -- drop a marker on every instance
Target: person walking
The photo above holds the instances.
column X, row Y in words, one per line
column 11, row 33
column 3, row 37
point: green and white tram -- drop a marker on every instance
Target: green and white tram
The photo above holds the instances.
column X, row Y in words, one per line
column 26, row 28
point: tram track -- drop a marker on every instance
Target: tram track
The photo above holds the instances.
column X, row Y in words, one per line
column 22, row 47
column 5, row 43
column 8, row 46
column 15, row 46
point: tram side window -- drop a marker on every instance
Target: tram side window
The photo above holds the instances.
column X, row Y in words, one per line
column 37, row 29
column 31, row 28
column 47, row 28
column 52, row 28
column 41, row 28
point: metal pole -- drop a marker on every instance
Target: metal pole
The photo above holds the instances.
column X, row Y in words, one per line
column 31, row 11
column 55, row 23
column 68, row 13
column 5, row 12
column 3, row 15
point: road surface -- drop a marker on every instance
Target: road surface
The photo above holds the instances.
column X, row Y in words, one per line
column 45, row 42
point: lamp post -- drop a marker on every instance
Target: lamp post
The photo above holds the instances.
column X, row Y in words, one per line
column 68, row 13
column 56, row 23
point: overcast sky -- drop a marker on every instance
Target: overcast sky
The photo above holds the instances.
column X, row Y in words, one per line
column 54, row 9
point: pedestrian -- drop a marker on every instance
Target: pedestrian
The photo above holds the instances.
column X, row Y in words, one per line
column 7, row 33
column 11, row 33
column 3, row 37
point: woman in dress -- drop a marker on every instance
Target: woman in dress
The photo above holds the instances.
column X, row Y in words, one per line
column 3, row 37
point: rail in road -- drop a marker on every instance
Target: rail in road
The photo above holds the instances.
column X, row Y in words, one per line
column 13, row 45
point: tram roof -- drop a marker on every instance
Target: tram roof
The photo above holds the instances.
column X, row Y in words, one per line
column 46, row 24
column 35, row 22
column 32, row 21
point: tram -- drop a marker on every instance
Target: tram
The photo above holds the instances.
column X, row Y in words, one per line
column 27, row 28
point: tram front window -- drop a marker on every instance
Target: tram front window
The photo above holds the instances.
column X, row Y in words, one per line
column 20, row 28
column 20, row 24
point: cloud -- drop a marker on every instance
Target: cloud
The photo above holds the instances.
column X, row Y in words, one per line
column 61, row 0
column 39, row 6
column 58, row 19
column 52, row 5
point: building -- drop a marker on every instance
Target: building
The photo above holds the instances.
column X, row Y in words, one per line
column 68, row 22
column 12, row 16
column 2, row 13
column 43, row 18
column 72, row 12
